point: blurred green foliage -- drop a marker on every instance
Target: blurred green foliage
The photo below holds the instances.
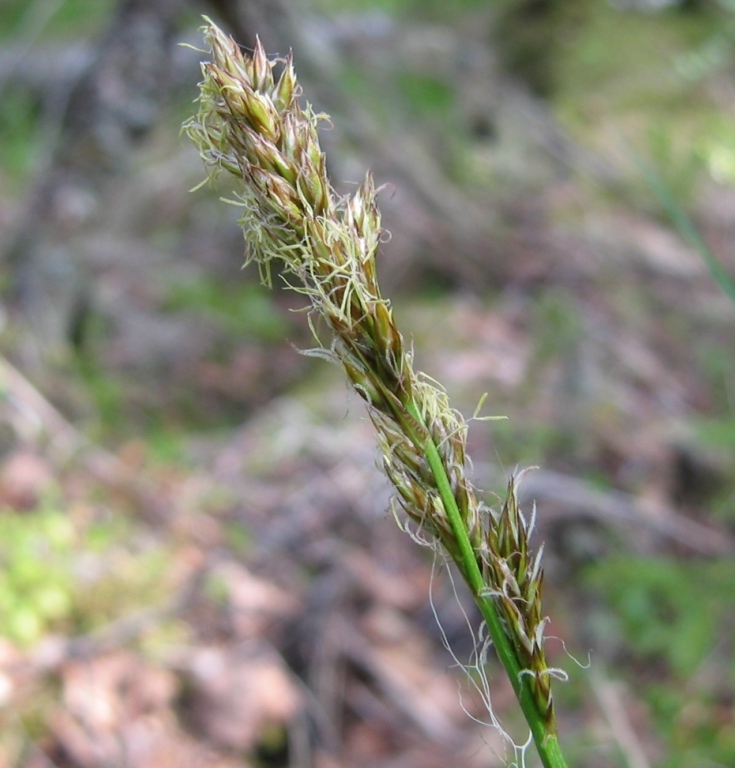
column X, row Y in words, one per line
column 425, row 8
column 610, row 73
column 675, row 621
column 718, row 432
column 58, row 575
column 51, row 20
column 426, row 94
column 24, row 26
column 557, row 325
column 21, row 141
column 624, row 76
column 695, row 725
column 667, row 610
column 245, row 309
column 36, row 582
column 106, row 393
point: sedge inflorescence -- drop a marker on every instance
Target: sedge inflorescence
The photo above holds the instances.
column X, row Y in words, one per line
column 252, row 126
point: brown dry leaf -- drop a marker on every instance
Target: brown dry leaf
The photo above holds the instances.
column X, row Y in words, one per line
column 499, row 353
column 405, row 591
column 23, row 477
column 657, row 247
column 255, row 604
column 325, row 760
column 401, row 660
column 114, row 707
column 153, row 742
column 236, row 694
column 10, row 659
column 367, row 740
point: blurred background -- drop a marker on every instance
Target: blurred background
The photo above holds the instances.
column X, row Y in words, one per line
column 197, row 562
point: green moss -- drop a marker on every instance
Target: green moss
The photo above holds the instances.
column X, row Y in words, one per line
column 35, row 582
column 58, row 574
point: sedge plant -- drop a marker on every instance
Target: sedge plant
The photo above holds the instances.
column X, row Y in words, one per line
column 252, row 126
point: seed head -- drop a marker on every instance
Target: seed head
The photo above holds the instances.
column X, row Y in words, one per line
column 251, row 125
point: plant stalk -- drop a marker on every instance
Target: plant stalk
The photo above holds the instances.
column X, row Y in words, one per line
column 544, row 735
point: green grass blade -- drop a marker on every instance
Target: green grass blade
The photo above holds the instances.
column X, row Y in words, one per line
column 683, row 222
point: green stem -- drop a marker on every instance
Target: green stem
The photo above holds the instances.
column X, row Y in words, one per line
column 546, row 740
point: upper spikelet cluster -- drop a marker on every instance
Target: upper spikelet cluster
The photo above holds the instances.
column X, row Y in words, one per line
column 251, row 125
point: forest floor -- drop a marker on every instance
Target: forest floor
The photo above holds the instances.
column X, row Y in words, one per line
column 200, row 566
